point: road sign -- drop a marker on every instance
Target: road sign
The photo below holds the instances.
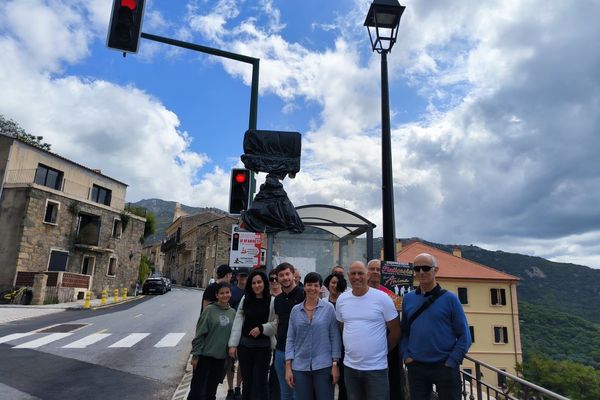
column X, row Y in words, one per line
column 245, row 248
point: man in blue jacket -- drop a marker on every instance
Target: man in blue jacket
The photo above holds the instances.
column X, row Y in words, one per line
column 434, row 344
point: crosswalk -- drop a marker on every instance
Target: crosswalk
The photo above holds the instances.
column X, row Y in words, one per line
column 35, row 340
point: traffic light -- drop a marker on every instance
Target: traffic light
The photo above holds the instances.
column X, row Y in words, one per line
column 235, row 242
column 241, row 189
column 125, row 25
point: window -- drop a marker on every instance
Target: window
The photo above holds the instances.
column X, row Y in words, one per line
column 463, row 296
column 51, row 213
column 468, row 371
column 500, row 334
column 87, row 265
column 472, row 332
column 112, row 266
column 88, row 229
column 117, row 228
column 101, row 195
column 498, row 297
column 58, row 260
column 48, row 177
column 502, row 378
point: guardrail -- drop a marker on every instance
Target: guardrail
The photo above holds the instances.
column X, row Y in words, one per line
column 513, row 388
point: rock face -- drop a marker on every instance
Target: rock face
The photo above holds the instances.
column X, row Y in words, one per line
column 535, row 272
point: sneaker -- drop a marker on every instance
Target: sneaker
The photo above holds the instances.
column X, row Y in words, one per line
column 230, row 395
column 237, row 394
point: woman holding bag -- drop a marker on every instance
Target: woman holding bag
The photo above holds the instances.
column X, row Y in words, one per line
column 252, row 337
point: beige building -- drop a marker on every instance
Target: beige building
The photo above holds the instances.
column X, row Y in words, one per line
column 155, row 255
column 196, row 245
column 489, row 298
column 66, row 221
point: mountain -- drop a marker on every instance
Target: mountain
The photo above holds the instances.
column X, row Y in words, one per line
column 164, row 211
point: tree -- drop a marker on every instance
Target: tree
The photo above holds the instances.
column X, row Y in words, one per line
column 11, row 128
column 145, row 268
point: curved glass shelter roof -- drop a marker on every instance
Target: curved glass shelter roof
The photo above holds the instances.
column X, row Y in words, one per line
column 338, row 221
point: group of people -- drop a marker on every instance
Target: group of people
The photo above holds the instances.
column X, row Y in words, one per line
column 305, row 339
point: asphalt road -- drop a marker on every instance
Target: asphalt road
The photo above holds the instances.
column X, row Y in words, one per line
column 131, row 351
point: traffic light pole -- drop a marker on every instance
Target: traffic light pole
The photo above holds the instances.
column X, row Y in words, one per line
column 226, row 54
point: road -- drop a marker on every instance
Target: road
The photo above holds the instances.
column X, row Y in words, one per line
column 132, row 351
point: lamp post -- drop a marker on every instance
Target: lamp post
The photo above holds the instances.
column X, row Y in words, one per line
column 382, row 23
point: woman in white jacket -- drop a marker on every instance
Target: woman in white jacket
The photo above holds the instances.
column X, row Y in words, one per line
column 253, row 336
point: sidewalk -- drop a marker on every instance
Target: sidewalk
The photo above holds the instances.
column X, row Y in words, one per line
column 183, row 389
column 16, row 312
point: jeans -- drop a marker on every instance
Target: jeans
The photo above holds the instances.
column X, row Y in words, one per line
column 273, row 381
column 313, row 385
column 422, row 377
column 361, row 385
column 207, row 376
column 287, row 393
column 254, row 366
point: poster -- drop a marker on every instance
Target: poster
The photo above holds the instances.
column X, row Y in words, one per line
column 245, row 248
column 397, row 278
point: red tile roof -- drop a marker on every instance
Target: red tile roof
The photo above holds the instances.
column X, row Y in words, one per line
column 451, row 266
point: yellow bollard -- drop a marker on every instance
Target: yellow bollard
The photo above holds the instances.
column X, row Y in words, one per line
column 103, row 297
column 124, row 293
column 116, row 295
column 87, row 303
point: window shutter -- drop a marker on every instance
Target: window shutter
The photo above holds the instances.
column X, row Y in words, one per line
column 503, row 296
column 496, row 334
column 505, row 332
column 494, row 294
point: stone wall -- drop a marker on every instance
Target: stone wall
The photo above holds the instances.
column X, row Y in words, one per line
column 12, row 211
column 38, row 239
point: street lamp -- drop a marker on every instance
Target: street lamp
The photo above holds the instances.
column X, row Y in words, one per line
column 382, row 23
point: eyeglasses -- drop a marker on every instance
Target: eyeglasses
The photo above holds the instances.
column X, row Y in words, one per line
column 273, row 279
column 424, row 268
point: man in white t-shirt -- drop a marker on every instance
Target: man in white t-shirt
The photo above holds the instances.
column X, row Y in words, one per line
column 370, row 327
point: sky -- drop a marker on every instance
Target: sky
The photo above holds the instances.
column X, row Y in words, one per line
column 494, row 108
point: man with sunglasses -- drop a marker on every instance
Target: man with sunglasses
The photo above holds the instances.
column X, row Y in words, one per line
column 435, row 342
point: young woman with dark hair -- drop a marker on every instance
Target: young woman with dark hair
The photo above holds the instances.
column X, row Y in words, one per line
column 252, row 336
column 313, row 346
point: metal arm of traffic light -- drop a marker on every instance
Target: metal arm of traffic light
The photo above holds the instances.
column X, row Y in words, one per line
column 226, row 54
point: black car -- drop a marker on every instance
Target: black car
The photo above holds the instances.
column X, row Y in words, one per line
column 154, row 285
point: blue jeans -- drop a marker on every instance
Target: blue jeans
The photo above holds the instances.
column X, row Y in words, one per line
column 362, row 385
column 287, row 393
column 313, row 385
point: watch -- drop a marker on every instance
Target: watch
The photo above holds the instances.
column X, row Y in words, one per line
column 335, row 362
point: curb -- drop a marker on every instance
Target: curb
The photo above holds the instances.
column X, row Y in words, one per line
column 100, row 307
column 184, row 386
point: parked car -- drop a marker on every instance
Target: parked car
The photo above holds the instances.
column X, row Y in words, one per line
column 154, row 285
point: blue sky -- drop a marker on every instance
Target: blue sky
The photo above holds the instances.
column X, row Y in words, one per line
column 494, row 108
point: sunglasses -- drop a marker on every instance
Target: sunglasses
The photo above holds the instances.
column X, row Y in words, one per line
column 424, row 268
column 273, row 279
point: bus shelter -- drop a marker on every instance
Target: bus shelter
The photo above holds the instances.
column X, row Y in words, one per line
column 333, row 236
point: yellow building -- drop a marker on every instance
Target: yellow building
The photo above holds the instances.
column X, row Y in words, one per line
column 489, row 298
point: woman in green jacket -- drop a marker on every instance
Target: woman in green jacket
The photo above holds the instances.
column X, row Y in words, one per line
column 209, row 347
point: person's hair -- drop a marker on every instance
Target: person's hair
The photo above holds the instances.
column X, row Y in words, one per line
column 249, row 293
column 221, row 285
column 336, row 267
column 223, row 270
column 341, row 283
column 313, row 277
column 283, row 266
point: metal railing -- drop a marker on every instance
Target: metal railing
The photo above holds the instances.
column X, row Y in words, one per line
column 513, row 387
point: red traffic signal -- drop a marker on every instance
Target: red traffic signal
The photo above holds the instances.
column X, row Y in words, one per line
column 125, row 25
column 240, row 191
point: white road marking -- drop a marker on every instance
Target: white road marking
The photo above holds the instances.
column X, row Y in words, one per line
column 14, row 336
column 139, row 315
column 34, row 344
column 86, row 341
column 129, row 340
column 170, row 340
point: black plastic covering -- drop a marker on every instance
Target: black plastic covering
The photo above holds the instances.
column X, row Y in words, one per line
column 271, row 210
column 272, row 152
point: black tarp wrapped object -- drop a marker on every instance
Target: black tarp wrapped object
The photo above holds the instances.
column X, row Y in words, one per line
column 273, row 152
column 272, row 211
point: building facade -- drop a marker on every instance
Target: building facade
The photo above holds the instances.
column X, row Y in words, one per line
column 66, row 221
column 195, row 246
column 489, row 298
column 153, row 253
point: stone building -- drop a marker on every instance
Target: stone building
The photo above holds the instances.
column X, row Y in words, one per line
column 155, row 255
column 196, row 245
column 66, row 221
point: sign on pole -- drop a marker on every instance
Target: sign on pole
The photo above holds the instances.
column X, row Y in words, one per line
column 245, row 248
column 398, row 279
